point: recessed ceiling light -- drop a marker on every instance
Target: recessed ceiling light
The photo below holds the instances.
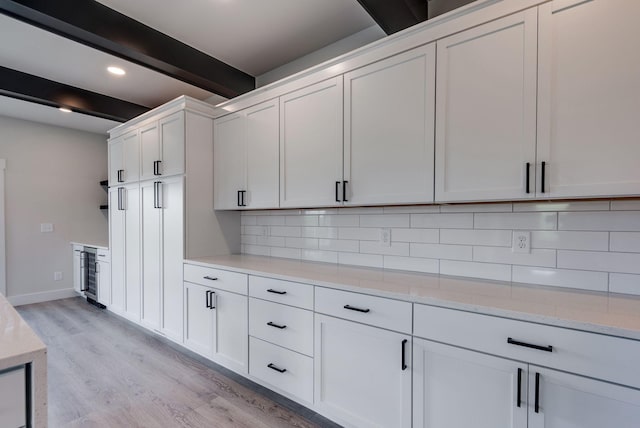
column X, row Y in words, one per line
column 116, row 70
column 64, row 109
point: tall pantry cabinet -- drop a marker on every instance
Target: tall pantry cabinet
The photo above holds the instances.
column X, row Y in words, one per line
column 166, row 214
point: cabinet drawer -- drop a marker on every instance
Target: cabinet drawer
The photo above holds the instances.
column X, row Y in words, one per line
column 287, row 370
column 103, row 255
column 287, row 292
column 291, row 328
column 378, row 311
column 589, row 354
column 216, row 278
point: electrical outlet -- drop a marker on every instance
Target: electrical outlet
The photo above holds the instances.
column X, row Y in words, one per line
column 46, row 227
column 521, row 242
column 385, row 237
column 57, row 276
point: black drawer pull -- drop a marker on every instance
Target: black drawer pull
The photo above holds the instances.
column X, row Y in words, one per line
column 537, row 403
column 337, row 187
column 281, row 327
column 344, row 191
column 548, row 348
column 210, row 278
column 352, row 308
column 519, row 386
column 404, row 356
column 271, row 290
column 276, row 368
column 528, row 177
column 542, row 174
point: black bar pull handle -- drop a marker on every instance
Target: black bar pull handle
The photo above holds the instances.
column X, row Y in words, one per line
column 210, row 278
column 212, row 300
column 537, row 402
column 156, row 167
column 242, row 201
column 404, row 354
column 155, row 194
column 271, row 290
column 528, row 173
column 344, row 191
column 208, row 299
column 120, row 174
column 276, row 368
column 353, row 308
column 158, row 185
column 337, row 190
column 238, row 199
column 281, row 327
column 547, row 348
column 543, row 173
column 519, row 386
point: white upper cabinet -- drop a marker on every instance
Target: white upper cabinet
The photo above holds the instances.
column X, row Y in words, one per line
column 229, row 154
column 388, row 130
column 486, row 111
column 162, row 147
column 124, row 158
column 589, row 97
column 311, row 145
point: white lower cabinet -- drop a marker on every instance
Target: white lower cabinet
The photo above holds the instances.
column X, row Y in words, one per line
column 491, row 391
column 362, row 374
column 13, row 398
column 103, row 272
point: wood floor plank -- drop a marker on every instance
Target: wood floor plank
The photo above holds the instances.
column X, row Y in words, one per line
column 104, row 371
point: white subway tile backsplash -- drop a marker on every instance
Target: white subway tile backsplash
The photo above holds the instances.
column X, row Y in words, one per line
column 321, row 211
column 270, row 220
column 626, row 242
column 500, row 238
column 595, row 281
column 320, row 256
column 386, row 220
column 360, row 233
column 626, row 205
column 357, row 259
column 292, row 231
column 286, row 253
column 545, row 258
column 599, row 261
column 339, row 245
column 311, row 243
column 419, row 209
column 248, row 239
column 302, row 220
column 320, row 232
column 492, row 271
column 256, row 250
column 427, row 236
column 270, row 241
column 610, row 221
column 562, row 206
column 442, row 221
column 413, row 264
column 248, row 220
column 624, row 283
column 440, row 251
column 360, row 210
column 522, row 221
column 565, row 240
column 256, row 230
column 477, row 208
column 339, row 220
column 395, row 249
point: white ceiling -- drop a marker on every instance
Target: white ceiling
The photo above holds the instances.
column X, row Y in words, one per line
column 254, row 36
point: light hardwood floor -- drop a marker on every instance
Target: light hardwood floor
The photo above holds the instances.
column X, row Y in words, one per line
column 107, row 372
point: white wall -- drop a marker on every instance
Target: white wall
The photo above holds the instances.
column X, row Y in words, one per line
column 52, row 176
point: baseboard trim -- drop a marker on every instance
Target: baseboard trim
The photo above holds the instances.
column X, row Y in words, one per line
column 45, row 296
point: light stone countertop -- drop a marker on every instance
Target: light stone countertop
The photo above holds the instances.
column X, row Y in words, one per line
column 597, row 312
column 102, row 247
column 20, row 345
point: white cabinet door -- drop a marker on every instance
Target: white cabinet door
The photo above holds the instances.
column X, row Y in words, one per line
column 389, row 129
column 133, row 290
column 588, row 109
column 231, row 337
column 486, row 111
column 77, row 268
column 311, row 145
column 172, row 145
column 229, row 159
column 198, row 319
column 171, row 202
column 149, row 150
column 570, row 401
column 361, row 378
column 151, row 254
column 117, row 248
column 453, row 387
column 262, row 172
column 13, row 398
column 116, row 160
column 103, row 275
column 131, row 153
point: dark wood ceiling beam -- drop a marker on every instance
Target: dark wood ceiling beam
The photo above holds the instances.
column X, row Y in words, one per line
column 395, row 15
column 95, row 25
column 27, row 87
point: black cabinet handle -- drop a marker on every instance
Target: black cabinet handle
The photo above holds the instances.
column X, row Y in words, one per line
column 276, row 368
column 212, row 296
column 527, row 177
column 281, row 327
column 156, row 167
column 210, row 278
column 238, row 199
column 548, row 348
column 271, row 290
column 337, row 190
column 519, row 386
column 208, row 299
column 537, row 403
column 404, row 356
column 120, row 173
column 242, row 202
column 344, row 191
column 543, row 172
column 352, row 308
